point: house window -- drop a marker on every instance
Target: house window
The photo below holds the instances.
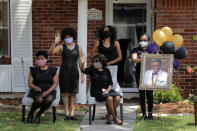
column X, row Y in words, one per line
column 4, row 32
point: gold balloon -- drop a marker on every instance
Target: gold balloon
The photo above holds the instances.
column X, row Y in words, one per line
column 168, row 31
column 170, row 38
column 159, row 37
column 177, row 40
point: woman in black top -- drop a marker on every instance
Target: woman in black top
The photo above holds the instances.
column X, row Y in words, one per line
column 42, row 80
column 101, row 85
column 69, row 74
column 108, row 46
column 136, row 56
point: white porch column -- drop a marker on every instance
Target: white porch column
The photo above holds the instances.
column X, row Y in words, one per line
column 82, row 41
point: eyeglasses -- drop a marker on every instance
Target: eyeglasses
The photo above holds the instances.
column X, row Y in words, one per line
column 156, row 65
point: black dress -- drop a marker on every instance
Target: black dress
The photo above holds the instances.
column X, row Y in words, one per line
column 100, row 80
column 109, row 52
column 69, row 74
column 43, row 79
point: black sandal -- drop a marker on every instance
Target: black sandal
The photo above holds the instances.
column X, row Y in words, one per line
column 73, row 118
column 66, row 118
column 108, row 121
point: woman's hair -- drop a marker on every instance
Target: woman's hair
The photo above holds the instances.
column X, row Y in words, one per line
column 101, row 59
column 68, row 31
column 112, row 30
column 144, row 34
column 43, row 53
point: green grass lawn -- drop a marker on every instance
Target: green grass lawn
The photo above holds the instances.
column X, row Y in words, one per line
column 169, row 123
column 11, row 121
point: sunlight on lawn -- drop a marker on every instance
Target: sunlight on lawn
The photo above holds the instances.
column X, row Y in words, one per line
column 169, row 123
column 11, row 121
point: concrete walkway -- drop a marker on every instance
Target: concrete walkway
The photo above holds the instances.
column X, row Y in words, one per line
column 129, row 116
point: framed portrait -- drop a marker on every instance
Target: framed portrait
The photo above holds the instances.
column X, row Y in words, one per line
column 156, row 72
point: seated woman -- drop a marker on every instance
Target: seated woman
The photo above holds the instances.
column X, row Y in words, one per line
column 42, row 80
column 101, row 84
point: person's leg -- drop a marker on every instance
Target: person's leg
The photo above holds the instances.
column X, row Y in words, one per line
column 110, row 107
column 150, row 104
column 46, row 104
column 108, row 120
column 65, row 102
column 35, row 105
column 142, row 96
column 47, row 101
column 72, row 106
column 143, row 103
column 116, row 102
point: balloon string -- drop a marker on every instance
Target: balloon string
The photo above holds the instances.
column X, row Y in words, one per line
column 157, row 51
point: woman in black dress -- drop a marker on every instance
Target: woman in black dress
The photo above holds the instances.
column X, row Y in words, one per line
column 101, row 86
column 69, row 74
column 42, row 80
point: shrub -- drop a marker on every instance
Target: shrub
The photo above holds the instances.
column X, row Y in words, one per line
column 192, row 98
column 172, row 95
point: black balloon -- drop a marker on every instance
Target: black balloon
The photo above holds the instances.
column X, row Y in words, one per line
column 167, row 47
column 180, row 52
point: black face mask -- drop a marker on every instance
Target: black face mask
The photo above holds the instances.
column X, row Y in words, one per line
column 106, row 34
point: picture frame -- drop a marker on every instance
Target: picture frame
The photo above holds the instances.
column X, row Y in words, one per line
column 156, row 72
column 1, row 15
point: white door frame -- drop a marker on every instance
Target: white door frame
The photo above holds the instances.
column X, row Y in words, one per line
column 149, row 14
column 149, row 18
column 82, row 41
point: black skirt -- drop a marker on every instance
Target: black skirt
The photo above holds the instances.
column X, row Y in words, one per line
column 33, row 94
column 103, row 98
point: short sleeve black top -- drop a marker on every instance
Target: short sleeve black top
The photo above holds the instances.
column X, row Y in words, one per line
column 99, row 80
column 110, row 52
column 139, row 52
column 43, row 78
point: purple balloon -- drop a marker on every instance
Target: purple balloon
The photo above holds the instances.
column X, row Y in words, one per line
column 176, row 64
column 152, row 48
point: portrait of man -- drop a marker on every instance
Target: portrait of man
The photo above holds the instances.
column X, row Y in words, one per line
column 155, row 76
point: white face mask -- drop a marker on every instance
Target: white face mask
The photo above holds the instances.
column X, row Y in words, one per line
column 143, row 43
column 96, row 65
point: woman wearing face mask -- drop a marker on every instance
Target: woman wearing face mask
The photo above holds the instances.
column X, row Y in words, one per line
column 108, row 46
column 69, row 74
column 42, row 80
column 136, row 56
column 101, row 85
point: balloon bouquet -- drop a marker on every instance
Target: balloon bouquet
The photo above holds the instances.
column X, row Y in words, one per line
column 167, row 43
